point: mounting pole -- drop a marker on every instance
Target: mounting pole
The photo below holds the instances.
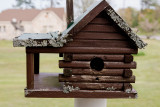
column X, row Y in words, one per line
column 87, row 102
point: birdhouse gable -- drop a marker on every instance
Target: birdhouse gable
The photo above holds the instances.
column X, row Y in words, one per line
column 101, row 17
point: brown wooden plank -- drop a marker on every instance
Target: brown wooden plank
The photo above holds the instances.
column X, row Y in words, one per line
column 98, row 43
column 89, row 57
column 105, row 72
column 87, row 50
column 58, row 93
column 90, row 16
column 36, row 63
column 107, row 65
column 97, row 86
column 96, row 79
column 99, row 28
column 100, row 21
column 99, row 36
column 30, row 70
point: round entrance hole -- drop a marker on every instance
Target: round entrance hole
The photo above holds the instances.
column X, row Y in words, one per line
column 97, row 64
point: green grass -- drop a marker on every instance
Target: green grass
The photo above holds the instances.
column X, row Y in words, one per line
column 13, row 79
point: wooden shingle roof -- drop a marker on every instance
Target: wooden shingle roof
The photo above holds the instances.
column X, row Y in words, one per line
column 59, row 39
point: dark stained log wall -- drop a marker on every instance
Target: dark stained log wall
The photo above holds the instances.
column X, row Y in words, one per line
column 100, row 32
column 107, row 65
column 105, row 72
column 99, row 36
column 98, row 43
column 96, row 79
column 89, row 57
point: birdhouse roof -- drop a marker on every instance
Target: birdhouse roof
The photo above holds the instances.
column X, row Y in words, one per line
column 59, row 39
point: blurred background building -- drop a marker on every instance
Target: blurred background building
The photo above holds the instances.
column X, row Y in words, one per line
column 14, row 22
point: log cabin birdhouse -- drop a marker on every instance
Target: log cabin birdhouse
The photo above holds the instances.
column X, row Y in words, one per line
column 97, row 50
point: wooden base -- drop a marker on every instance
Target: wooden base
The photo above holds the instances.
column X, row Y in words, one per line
column 53, row 89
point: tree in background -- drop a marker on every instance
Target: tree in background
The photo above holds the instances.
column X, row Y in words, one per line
column 53, row 3
column 147, row 4
column 24, row 4
column 130, row 16
column 82, row 5
column 150, row 21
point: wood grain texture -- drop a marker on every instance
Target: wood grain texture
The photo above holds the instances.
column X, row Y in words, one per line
column 100, row 21
column 107, row 65
column 99, row 36
column 89, row 57
column 83, row 50
column 105, row 72
column 58, row 93
column 90, row 16
column 30, row 70
column 96, row 79
column 98, row 43
column 99, row 28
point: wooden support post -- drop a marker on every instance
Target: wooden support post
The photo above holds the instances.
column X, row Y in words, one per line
column 60, row 54
column 70, row 15
column 30, row 70
column 36, row 63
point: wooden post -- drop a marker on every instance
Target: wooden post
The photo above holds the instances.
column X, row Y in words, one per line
column 36, row 63
column 30, row 70
column 70, row 14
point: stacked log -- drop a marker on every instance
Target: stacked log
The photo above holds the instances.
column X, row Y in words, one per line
column 116, row 74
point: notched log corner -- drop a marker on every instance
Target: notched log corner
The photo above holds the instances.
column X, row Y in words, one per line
column 68, row 57
column 127, row 87
column 26, row 92
column 67, row 72
column 128, row 58
column 127, row 73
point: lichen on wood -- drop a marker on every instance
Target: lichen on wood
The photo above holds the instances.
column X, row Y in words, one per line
column 53, row 39
column 125, row 27
column 111, row 89
column 68, row 89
